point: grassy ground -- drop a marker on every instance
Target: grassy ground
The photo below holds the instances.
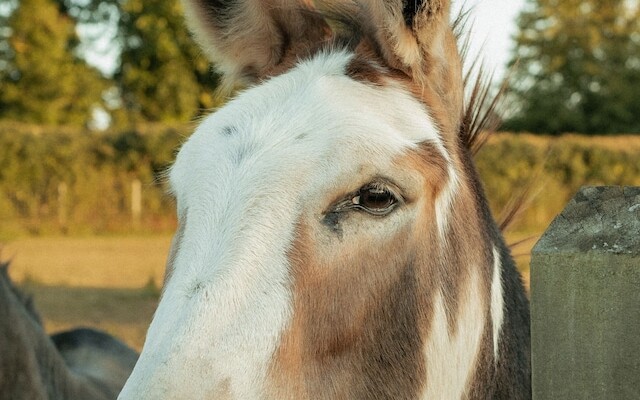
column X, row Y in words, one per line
column 111, row 283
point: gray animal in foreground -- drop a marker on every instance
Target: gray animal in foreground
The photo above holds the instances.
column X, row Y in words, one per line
column 76, row 364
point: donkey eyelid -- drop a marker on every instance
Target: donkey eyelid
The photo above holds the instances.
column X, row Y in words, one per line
column 346, row 202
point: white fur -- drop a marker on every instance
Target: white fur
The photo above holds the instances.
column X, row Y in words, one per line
column 444, row 202
column 450, row 360
column 229, row 297
column 497, row 302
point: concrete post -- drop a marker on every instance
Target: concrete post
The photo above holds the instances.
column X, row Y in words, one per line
column 585, row 299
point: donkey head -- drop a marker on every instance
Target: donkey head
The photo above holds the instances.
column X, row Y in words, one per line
column 333, row 240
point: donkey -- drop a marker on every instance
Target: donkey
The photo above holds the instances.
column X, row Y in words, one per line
column 334, row 239
column 76, row 365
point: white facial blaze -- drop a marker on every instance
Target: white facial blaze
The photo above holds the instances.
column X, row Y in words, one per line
column 243, row 181
column 450, row 360
column 497, row 302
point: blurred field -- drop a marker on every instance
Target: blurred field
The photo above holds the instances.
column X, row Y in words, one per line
column 105, row 262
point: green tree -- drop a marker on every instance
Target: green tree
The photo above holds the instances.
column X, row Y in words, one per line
column 42, row 79
column 577, row 67
column 162, row 76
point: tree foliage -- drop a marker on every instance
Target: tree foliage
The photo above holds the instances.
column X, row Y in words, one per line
column 162, row 75
column 96, row 172
column 577, row 67
column 43, row 81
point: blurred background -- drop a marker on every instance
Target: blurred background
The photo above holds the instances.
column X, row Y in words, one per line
column 97, row 95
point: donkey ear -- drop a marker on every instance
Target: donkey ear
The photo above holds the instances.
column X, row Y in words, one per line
column 253, row 39
column 414, row 35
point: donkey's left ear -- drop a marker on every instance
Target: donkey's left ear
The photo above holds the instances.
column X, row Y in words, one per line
column 253, row 39
column 414, row 36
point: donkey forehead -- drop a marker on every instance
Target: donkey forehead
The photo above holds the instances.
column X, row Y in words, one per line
column 314, row 116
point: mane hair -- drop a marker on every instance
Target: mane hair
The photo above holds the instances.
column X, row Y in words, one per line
column 482, row 108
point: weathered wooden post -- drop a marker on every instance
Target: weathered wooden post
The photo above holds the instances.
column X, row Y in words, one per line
column 136, row 202
column 585, row 299
column 62, row 206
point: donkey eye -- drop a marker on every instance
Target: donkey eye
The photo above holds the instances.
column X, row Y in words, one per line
column 375, row 199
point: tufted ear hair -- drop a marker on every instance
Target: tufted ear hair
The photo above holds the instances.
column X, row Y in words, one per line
column 411, row 32
column 253, row 39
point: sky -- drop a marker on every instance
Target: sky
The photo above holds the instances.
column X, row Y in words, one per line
column 493, row 26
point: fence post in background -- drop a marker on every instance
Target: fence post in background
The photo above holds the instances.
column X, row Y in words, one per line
column 62, row 206
column 136, row 202
column 585, row 299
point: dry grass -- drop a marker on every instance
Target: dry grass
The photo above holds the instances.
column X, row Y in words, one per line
column 104, row 262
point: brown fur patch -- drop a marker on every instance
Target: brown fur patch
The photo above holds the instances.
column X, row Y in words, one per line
column 361, row 314
column 222, row 391
column 429, row 162
column 355, row 329
column 470, row 242
column 466, row 240
column 363, row 70
column 484, row 368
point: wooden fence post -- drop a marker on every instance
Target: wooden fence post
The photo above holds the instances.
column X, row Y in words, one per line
column 585, row 299
column 63, row 191
column 136, row 202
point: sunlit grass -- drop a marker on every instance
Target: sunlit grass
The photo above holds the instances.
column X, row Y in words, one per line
column 105, row 262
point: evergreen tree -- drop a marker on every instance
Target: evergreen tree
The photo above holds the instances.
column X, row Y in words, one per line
column 162, row 76
column 577, row 67
column 42, row 80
